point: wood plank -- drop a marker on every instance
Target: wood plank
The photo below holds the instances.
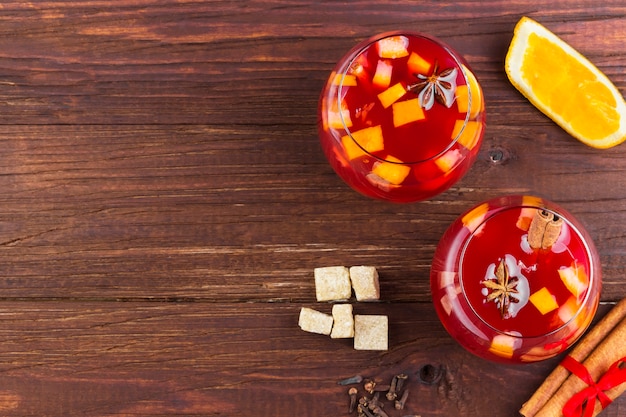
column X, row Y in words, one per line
column 105, row 359
column 185, row 212
column 165, row 200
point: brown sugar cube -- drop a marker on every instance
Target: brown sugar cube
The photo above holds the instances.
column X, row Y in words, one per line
column 332, row 283
column 371, row 332
column 314, row 321
column 365, row 283
column 343, row 322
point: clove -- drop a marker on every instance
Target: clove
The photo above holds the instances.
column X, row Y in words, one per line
column 352, row 392
column 396, row 386
column 375, row 401
column 391, row 394
column 369, row 386
column 378, row 412
column 364, row 411
column 399, row 404
column 401, row 379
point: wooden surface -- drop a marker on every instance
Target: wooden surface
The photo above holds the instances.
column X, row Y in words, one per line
column 165, row 200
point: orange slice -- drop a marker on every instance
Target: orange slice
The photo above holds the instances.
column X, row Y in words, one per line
column 565, row 86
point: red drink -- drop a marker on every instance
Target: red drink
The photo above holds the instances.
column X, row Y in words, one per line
column 516, row 279
column 401, row 117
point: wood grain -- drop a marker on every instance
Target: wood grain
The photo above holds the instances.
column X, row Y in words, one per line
column 165, row 200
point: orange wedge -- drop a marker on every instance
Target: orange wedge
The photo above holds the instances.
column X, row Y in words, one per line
column 565, row 86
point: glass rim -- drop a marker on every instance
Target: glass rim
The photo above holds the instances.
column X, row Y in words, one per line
column 358, row 50
column 585, row 240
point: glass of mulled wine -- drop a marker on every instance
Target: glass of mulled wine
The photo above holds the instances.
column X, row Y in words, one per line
column 401, row 117
column 516, row 279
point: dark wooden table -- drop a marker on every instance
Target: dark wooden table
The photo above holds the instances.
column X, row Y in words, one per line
column 165, row 200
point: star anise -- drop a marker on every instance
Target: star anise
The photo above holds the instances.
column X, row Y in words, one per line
column 503, row 289
column 440, row 87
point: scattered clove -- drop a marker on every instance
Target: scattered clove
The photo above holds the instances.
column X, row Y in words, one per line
column 364, row 411
column 375, row 401
column 379, row 412
column 391, row 394
column 396, row 386
column 369, row 385
column 399, row 404
column 352, row 392
column 373, row 405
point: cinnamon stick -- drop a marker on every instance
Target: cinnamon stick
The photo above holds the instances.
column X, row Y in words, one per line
column 580, row 352
column 537, row 228
column 552, row 232
column 545, row 228
column 598, row 362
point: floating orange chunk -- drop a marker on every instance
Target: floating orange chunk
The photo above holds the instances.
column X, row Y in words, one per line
column 407, row 111
column 575, row 279
column 370, row 139
column 448, row 160
column 381, row 183
column 544, row 301
column 392, row 94
column 463, row 95
column 392, row 170
column 529, row 200
column 503, row 345
column 393, row 47
column 349, row 80
column 359, row 68
column 525, row 217
column 469, row 134
column 418, row 65
column 475, row 217
column 382, row 76
column 336, row 120
column 569, row 309
column 339, row 119
column 351, row 149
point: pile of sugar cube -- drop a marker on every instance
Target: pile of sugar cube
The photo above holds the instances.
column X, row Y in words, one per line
column 336, row 283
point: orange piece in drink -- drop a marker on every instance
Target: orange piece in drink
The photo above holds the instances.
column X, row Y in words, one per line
column 345, row 80
column 407, row 111
column 503, row 345
column 369, row 139
column 468, row 133
column 393, row 47
column 544, row 301
column 475, row 217
column 391, row 170
column 463, row 95
column 418, row 65
column 575, row 279
column 382, row 76
column 392, row 94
